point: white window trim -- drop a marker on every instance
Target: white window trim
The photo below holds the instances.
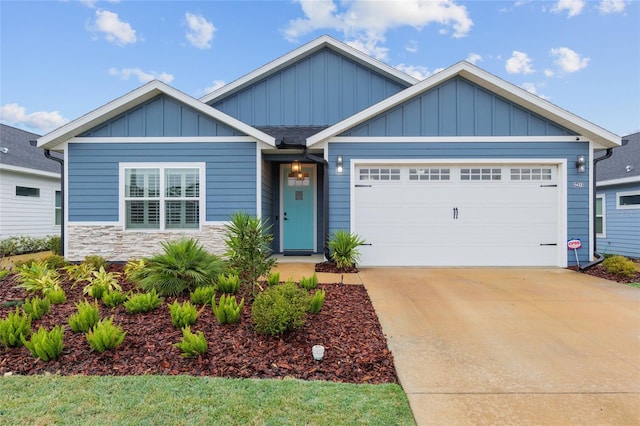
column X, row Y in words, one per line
column 122, row 220
column 604, row 216
column 56, row 208
column 623, row 194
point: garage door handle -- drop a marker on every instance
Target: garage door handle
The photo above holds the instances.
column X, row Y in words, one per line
column 548, row 244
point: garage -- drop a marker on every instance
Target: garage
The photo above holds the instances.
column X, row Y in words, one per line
column 457, row 214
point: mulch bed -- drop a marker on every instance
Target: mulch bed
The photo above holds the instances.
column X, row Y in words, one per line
column 356, row 348
column 329, row 266
column 600, row 272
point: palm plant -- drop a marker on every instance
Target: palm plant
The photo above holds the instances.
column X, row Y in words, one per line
column 344, row 248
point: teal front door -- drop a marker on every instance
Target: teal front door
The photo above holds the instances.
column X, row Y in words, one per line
column 298, row 208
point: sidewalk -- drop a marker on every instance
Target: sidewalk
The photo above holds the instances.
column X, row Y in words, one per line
column 297, row 270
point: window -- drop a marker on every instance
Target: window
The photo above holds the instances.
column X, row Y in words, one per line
column 379, row 174
column 165, row 197
column 24, row 191
column 535, row 174
column 429, row 174
column 58, row 208
column 600, row 216
column 628, row 200
column 480, row 174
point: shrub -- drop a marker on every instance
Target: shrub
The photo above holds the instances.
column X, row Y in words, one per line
column 183, row 315
column 55, row 261
column 142, row 302
column 184, row 265
column 316, row 301
column 344, row 248
column 229, row 284
column 36, row 307
column 249, row 241
column 56, row 296
column 22, row 245
column 134, row 269
column 86, row 317
column 192, row 344
column 96, row 262
column 55, row 244
column 273, row 279
column 46, row 345
column 4, row 273
column 113, row 298
column 105, row 336
column 101, row 282
column 203, row 295
column 38, row 277
column 228, row 310
column 309, row 283
column 79, row 273
column 279, row 309
column 620, row 265
column 14, row 327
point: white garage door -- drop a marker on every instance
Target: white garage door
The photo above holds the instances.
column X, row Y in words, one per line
column 457, row 215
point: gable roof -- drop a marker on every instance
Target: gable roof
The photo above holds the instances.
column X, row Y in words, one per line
column 624, row 164
column 137, row 97
column 490, row 82
column 308, row 49
column 21, row 155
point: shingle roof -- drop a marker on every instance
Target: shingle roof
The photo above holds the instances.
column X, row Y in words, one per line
column 20, row 152
column 623, row 163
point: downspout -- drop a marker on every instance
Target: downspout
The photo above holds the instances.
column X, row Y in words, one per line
column 47, row 153
column 325, row 205
column 599, row 257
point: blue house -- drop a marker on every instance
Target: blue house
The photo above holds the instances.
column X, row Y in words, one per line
column 618, row 200
column 460, row 169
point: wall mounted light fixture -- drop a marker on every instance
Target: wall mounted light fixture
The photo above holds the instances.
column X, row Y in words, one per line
column 339, row 167
column 581, row 164
column 295, row 167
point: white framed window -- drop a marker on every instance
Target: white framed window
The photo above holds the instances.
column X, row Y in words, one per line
column 162, row 196
column 25, row 191
column 429, row 174
column 601, row 225
column 58, row 208
column 628, row 200
column 379, row 174
column 480, row 174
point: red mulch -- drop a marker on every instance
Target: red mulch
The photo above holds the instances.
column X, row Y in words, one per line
column 356, row 349
column 329, row 266
column 600, row 272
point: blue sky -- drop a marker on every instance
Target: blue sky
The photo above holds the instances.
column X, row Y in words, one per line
column 61, row 59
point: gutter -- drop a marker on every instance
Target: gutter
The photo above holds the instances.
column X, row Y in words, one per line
column 325, row 204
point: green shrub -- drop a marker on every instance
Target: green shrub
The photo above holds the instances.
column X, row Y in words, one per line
column 621, row 266
column 142, row 302
column 228, row 284
column 55, row 244
column 273, row 279
column 23, row 245
column 227, row 311
column 54, row 261
column 79, row 273
column 86, row 317
column 344, row 248
column 183, row 315
column 38, row 277
column 309, row 283
column 56, row 296
column 113, row 298
column 192, row 344
column 203, row 295
column 134, row 269
column 279, row 309
column 46, row 345
column 105, row 336
column 316, row 301
column 184, row 265
column 4, row 273
column 101, row 282
column 36, row 307
column 14, row 327
column 249, row 241
column 96, row 262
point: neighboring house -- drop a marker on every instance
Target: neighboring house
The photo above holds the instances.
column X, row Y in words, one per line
column 460, row 169
column 618, row 200
column 30, row 201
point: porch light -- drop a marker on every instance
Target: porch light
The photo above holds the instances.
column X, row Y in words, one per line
column 339, row 168
column 581, row 164
column 295, row 167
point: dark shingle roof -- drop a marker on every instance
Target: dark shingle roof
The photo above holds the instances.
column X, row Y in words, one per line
column 20, row 152
column 623, row 163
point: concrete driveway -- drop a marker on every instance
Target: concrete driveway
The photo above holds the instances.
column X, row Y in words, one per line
column 511, row 346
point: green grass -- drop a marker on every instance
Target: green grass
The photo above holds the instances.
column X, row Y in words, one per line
column 636, row 285
column 186, row 400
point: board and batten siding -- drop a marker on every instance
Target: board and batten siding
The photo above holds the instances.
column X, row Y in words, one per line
column 161, row 116
column 578, row 193
column 93, row 173
column 458, row 108
column 319, row 90
column 622, row 226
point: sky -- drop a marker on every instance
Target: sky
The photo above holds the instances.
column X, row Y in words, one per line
column 60, row 59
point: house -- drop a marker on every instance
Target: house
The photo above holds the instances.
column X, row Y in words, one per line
column 618, row 200
column 30, row 197
column 459, row 169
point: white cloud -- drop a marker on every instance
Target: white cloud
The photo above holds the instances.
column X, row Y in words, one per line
column 142, row 76
column 519, row 63
column 573, row 7
column 416, row 71
column 612, row 6
column 533, row 89
column 365, row 23
column 92, row 3
column 40, row 121
column 548, row 73
column 568, row 60
column 412, row 46
column 215, row 86
column 200, row 31
column 474, row 58
column 114, row 30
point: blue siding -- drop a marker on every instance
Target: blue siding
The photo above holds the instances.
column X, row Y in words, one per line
column 94, row 173
column 267, row 192
column 457, row 108
column 622, row 234
column 158, row 117
column 319, row 90
column 578, row 198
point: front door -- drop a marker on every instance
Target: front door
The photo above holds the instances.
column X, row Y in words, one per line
column 297, row 210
